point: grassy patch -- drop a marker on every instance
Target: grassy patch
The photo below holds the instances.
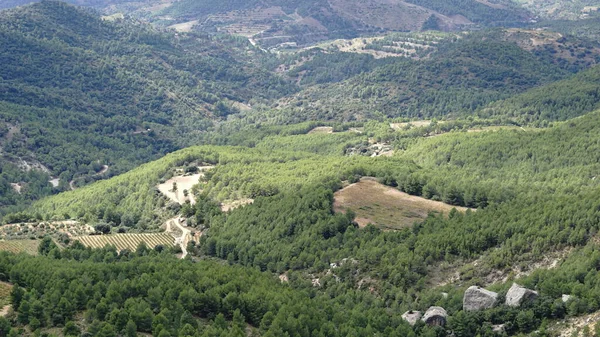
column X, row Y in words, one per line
column 384, row 206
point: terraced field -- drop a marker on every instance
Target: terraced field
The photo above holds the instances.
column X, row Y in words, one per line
column 20, row 246
column 127, row 241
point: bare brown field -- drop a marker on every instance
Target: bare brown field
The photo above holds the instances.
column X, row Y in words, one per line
column 20, row 246
column 384, row 206
column 127, row 241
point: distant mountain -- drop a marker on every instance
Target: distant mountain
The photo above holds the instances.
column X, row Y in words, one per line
column 457, row 79
column 285, row 22
column 89, row 3
column 569, row 10
column 273, row 22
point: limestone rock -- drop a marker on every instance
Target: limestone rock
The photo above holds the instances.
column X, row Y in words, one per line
column 435, row 316
column 476, row 299
column 517, row 294
column 498, row 328
column 412, row 317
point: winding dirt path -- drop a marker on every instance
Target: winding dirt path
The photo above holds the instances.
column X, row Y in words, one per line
column 185, row 237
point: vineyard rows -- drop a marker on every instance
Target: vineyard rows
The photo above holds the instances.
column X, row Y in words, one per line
column 127, row 241
column 5, row 289
column 20, row 246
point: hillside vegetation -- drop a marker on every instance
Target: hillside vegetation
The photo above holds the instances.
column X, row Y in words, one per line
column 314, row 192
column 528, row 186
column 77, row 93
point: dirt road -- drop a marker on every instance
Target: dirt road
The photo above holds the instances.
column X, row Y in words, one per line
column 185, row 237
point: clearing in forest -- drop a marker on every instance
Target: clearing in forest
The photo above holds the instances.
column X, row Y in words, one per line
column 384, row 206
column 229, row 205
column 127, row 241
column 20, row 246
column 182, row 183
column 184, row 27
column 414, row 124
column 321, row 130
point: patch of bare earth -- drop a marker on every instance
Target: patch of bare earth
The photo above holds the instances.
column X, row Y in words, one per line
column 17, row 187
column 229, row 205
column 321, row 130
column 174, row 188
column 416, row 124
column 462, row 271
column 384, row 206
column 572, row 326
column 184, row 27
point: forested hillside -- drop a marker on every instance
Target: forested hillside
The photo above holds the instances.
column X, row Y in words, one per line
column 459, row 78
column 336, row 190
column 529, row 185
column 78, row 93
column 280, row 21
column 559, row 101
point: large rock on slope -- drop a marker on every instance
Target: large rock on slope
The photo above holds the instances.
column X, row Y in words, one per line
column 517, row 295
column 435, row 316
column 476, row 299
column 412, row 317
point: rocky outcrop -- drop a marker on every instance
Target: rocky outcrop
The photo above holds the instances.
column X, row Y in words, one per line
column 566, row 298
column 517, row 295
column 435, row 316
column 499, row 328
column 476, row 299
column 412, row 317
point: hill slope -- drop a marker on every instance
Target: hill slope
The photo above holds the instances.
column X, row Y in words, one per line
column 276, row 21
column 78, row 92
column 535, row 191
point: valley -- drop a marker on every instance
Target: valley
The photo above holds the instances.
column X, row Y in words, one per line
column 282, row 168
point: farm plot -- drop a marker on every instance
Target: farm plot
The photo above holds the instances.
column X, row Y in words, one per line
column 5, row 289
column 384, row 206
column 20, row 246
column 127, row 241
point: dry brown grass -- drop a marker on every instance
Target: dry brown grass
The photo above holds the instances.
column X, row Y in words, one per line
column 384, row 206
